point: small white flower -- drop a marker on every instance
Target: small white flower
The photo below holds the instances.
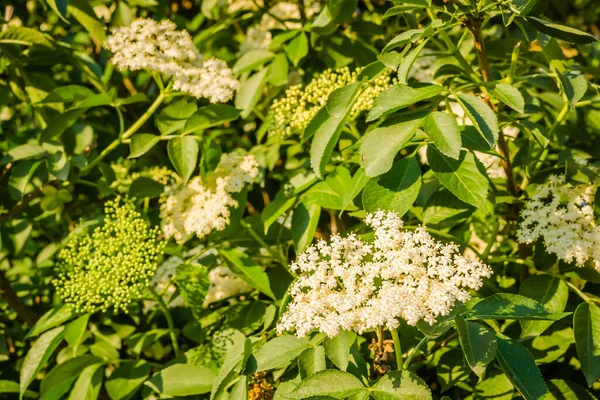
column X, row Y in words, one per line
column 224, row 284
column 349, row 284
column 563, row 215
column 160, row 47
column 202, row 206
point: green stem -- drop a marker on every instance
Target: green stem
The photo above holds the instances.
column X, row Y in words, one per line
column 397, row 349
column 264, row 244
column 414, row 352
column 167, row 313
column 126, row 135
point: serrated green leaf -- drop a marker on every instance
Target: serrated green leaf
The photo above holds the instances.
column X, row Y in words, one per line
column 519, row 366
column 82, row 11
column 141, row 143
column 396, row 190
column 395, row 133
column 483, row 117
column 401, row 385
column 512, row 306
column 209, row 116
column 125, row 381
column 311, row 360
column 87, row 386
column 331, row 383
column 465, row 177
column 401, row 96
column 279, row 352
column 561, row 32
column 337, row 348
column 586, row 324
column 38, row 355
column 549, row 291
column 297, row 48
column 247, row 269
column 444, row 131
column 182, row 380
column 510, row 96
column 250, row 92
column 304, row 225
column 478, row 344
column 75, row 332
column 183, row 153
column 252, row 60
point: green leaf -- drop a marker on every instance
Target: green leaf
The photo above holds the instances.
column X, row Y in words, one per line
column 87, row 386
column 144, row 187
column 530, row 7
column 276, row 208
column 141, row 143
column 408, row 61
column 586, row 324
column 59, row 7
column 574, row 86
column 339, row 104
column 565, row 390
column 519, row 366
column 57, row 125
column 59, row 380
column 396, row 190
column 125, row 381
column 75, row 332
column 510, row 96
column 182, row 380
column 395, row 133
column 85, row 15
column 401, row 385
column 552, row 345
column 38, row 355
column 279, row 352
column 297, row 48
column 465, row 178
column 304, row 225
column 247, row 269
column 483, row 117
column 311, row 360
column 442, row 128
column 398, row 97
column 211, row 155
column 252, row 60
column 250, row 92
column 209, row 116
column 334, row 13
column 56, row 316
column 549, row 291
column 330, row 383
column 183, row 153
column 68, row 94
column 512, row 306
column 24, row 36
column 359, row 180
column 332, row 192
column 445, row 208
column 23, row 152
column 234, row 358
column 174, row 116
column 193, row 283
column 338, row 348
column 562, row 32
column 496, row 385
column 478, row 344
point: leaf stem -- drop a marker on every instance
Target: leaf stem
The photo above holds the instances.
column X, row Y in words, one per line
column 169, row 318
column 397, row 349
column 126, row 135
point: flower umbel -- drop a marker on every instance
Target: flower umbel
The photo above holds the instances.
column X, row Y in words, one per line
column 292, row 113
column 349, row 284
column 203, row 205
column 112, row 266
column 160, row 47
column 563, row 215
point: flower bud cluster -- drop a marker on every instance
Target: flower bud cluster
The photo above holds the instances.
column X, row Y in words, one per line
column 112, row 266
column 160, row 47
column 203, row 205
column 350, row 284
column 563, row 216
column 292, row 113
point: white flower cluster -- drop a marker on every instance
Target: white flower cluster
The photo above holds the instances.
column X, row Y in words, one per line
column 160, row 47
column 202, row 206
column 349, row 284
column 224, row 284
column 563, row 215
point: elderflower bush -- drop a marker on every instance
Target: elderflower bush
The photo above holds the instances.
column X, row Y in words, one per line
column 299, row 199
